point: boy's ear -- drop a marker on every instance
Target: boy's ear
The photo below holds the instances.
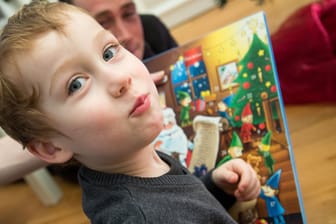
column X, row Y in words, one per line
column 48, row 152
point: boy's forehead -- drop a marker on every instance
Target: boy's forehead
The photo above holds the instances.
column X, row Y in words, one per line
column 49, row 50
column 39, row 58
column 77, row 23
column 79, row 18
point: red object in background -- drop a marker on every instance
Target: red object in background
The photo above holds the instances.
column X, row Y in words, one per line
column 268, row 68
column 188, row 158
column 246, row 85
column 199, row 105
column 250, row 65
column 247, row 110
column 262, row 126
column 273, row 89
column 304, row 48
column 192, row 56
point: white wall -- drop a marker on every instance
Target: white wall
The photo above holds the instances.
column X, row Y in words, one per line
column 5, row 11
column 8, row 8
column 171, row 12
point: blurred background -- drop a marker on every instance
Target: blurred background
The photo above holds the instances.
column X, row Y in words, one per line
column 175, row 12
column 311, row 124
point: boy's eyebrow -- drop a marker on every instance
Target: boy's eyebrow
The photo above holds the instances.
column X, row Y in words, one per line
column 57, row 74
column 98, row 37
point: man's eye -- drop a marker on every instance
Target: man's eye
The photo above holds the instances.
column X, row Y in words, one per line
column 109, row 53
column 129, row 14
column 106, row 23
column 76, row 84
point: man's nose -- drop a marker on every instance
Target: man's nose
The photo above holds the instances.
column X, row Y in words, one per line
column 121, row 32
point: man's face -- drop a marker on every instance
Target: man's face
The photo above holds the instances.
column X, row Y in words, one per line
column 94, row 91
column 121, row 18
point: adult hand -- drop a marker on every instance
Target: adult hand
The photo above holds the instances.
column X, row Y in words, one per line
column 238, row 178
column 159, row 77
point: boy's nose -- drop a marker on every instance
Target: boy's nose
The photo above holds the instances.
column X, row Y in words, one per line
column 119, row 85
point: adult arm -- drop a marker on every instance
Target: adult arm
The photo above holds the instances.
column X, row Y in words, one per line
column 16, row 162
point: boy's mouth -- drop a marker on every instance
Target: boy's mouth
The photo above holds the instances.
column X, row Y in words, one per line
column 140, row 106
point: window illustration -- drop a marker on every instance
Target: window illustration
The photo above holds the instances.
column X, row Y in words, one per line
column 227, row 73
column 189, row 73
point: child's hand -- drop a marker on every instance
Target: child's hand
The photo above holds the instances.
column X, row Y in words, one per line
column 237, row 177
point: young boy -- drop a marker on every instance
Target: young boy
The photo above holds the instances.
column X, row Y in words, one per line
column 68, row 89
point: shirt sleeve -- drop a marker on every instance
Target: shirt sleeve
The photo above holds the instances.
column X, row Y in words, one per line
column 157, row 36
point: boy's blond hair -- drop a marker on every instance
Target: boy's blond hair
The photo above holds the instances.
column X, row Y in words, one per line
column 20, row 116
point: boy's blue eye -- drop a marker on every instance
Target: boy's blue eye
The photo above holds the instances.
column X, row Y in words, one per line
column 109, row 53
column 76, row 84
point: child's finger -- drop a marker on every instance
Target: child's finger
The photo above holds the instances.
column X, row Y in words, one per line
column 230, row 177
column 251, row 193
column 248, row 179
column 247, row 175
column 250, row 188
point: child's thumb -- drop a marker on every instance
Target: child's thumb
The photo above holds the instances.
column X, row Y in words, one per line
column 231, row 177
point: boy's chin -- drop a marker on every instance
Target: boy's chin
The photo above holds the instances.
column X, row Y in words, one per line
column 159, row 129
column 156, row 132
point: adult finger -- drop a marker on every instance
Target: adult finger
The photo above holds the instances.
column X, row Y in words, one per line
column 159, row 77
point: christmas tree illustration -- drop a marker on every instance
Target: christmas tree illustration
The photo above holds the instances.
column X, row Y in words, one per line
column 256, row 82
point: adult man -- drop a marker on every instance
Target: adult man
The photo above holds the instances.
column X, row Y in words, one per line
column 142, row 35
